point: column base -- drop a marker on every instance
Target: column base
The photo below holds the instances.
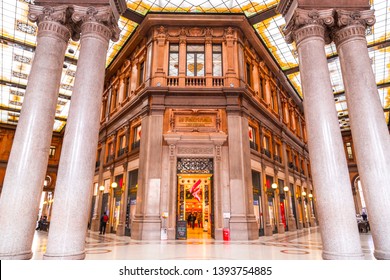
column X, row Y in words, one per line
column 341, row 256
column 300, row 225
column 243, row 229
column 218, row 234
column 74, row 256
column 268, row 231
column 171, row 233
column 120, row 230
column 17, row 256
column 281, row 228
column 95, row 225
column 381, row 255
column 292, row 226
column 313, row 222
column 146, row 229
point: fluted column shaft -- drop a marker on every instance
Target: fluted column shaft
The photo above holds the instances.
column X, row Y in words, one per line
column 26, row 169
column 368, row 126
column 339, row 232
column 77, row 164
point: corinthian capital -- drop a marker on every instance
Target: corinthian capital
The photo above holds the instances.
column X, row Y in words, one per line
column 364, row 18
column 305, row 18
column 51, row 20
column 352, row 24
column 48, row 13
column 97, row 15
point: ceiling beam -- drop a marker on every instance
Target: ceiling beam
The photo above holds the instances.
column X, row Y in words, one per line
column 11, row 84
column 133, row 16
column 259, row 17
column 29, row 47
column 372, row 47
column 14, row 110
column 379, row 86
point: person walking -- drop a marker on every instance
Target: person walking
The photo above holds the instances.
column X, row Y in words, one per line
column 103, row 223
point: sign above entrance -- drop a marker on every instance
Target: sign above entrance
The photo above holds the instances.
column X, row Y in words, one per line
column 195, row 121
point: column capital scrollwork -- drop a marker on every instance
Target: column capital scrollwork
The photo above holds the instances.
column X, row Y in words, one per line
column 51, row 20
column 96, row 20
column 309, row 23
column 352, row 24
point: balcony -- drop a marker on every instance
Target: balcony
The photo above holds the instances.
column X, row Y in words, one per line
column 135, row 145
column 122, row 151
column 110, row 158
column 278, row 158
column 266, row 152
column 253, row 145
column 195, row 82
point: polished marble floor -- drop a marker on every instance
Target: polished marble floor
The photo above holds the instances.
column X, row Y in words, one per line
column 300, row 245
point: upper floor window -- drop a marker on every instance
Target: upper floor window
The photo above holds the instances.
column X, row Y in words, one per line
column 141, row 73
column 349, row 150
column 52, row 151
column 217, row 60
column 252, row 137
column 122, row 144
column 195, row 60
column 173, row 60
column 136, row 137
column 249, row 74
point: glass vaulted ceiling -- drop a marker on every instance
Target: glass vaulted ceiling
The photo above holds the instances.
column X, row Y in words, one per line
column 18, row 41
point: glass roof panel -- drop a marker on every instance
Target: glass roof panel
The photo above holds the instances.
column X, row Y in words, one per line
column 201, row 6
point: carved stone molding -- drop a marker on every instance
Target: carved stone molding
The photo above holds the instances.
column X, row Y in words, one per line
column 309, row 23
column 96, row 21
column 352, row 24
column 52, row 21
column 195, row 150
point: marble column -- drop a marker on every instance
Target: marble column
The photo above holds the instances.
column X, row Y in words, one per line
column 26, row 169
column 339, row 232
column 77, row 164
column 243, row 225
column 368, row 126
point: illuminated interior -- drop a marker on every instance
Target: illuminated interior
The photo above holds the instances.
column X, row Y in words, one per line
column 18, row 41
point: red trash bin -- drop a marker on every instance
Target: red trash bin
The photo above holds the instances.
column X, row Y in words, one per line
column 226, row 234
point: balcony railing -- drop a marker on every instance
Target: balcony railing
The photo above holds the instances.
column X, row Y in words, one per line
column 110, row 158
column 266, row 152
column 122, row 151
column 195, row 81
column 253, row 145
column 172, row 81
column 278, row 158
column 135, row 145
column 218, row 81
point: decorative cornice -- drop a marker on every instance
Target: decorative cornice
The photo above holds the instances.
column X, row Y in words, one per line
column 51, row 20
column 309, row 23
column 96, row 20
column 352, row 25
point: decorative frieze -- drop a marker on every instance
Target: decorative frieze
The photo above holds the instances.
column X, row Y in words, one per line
column 195, row 150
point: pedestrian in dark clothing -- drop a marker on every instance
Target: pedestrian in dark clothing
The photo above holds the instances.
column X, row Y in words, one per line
column 103, row 223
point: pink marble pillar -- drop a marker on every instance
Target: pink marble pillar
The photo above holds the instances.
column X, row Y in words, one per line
column 368, row 126
column 339, row 233
column 26, row 169
column 77, row 164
